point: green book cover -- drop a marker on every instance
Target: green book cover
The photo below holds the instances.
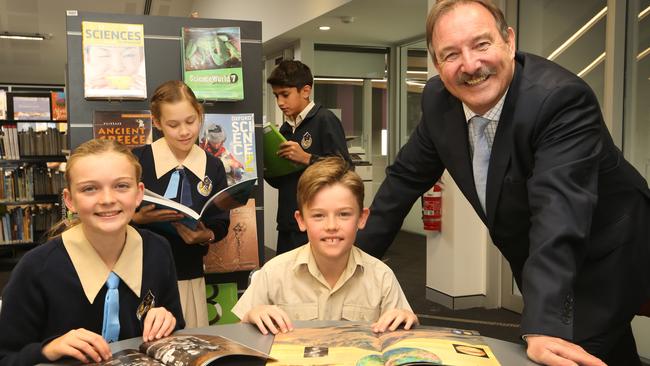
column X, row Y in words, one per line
column 212, row 63
column 274, row 165
column 221, row 298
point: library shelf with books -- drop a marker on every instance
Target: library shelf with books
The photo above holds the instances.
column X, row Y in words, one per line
column 30, row 184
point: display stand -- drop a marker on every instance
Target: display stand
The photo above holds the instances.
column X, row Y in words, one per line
column 163, row 62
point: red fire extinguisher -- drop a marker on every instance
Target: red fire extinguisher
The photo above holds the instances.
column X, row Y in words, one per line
column 432, row 208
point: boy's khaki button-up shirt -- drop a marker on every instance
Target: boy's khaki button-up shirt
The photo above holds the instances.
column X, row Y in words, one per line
column 366, row 289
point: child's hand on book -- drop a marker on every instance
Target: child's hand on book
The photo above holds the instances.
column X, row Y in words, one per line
column 158, row 323
column 291, row 150
column 392, row 319
column 202, row 235
column 149, row 214
column 269, row 318
column 82, row 344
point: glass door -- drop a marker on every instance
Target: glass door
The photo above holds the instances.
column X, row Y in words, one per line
column 572, row 34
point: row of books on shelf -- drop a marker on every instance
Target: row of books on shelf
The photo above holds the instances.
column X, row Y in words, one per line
column 17, row 142
column 24, row 182
column 33, row 106
column 21, row 223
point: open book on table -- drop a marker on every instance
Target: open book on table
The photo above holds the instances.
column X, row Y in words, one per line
column 183, row 350
column 356, row 344
column 226, row 199
column 274, row 165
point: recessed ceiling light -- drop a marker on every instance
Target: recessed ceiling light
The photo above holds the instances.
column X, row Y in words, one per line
column 26, row 36
column 324, row 27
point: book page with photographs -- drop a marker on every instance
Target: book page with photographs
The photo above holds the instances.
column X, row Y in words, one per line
column 356, row 344
column 182, row 350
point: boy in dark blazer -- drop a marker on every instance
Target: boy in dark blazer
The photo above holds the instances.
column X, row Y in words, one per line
column 311, row 130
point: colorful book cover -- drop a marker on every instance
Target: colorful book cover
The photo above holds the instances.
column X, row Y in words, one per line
column 212, row 63
column 231, row 138
column 31, row 108
column 221, row 298
column 131, row 128
column 113, row 56
column 238, row 250
column 274, row 165
column 59, row 111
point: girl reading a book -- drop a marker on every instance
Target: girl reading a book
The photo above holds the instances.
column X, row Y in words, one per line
column 175, row 167
column 99, row 281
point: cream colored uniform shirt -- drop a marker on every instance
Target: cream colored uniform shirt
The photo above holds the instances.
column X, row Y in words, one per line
column 92, row 270
column 366, row 289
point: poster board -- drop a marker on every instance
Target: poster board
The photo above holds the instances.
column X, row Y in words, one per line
column 162, row 46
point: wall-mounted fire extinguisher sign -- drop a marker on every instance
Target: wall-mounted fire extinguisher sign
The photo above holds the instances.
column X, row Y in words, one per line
column 432, row 208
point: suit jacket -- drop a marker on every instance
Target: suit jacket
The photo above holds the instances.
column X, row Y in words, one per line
column 564, row 207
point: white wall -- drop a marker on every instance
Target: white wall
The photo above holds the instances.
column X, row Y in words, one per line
column 277, row 16
column 456, row 258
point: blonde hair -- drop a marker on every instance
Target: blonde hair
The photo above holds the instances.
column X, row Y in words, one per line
column 325, row 173
column 92, row 147
column 173, row 91
column 443, row 6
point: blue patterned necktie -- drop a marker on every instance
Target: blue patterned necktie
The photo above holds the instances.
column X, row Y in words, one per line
column 481, row 156
column 111, row 325
column 186, row 191
column 171, row 192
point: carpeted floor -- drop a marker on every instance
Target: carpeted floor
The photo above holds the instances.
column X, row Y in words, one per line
column 407, row 258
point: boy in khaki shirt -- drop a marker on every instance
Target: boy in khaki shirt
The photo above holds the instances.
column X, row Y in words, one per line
column 328, row 278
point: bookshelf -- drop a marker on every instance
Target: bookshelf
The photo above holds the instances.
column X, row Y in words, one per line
column 33, row 136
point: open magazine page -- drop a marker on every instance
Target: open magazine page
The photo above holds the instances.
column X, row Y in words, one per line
column 233, row 196
column 195, row 350
column 436, row 346
column 356, row 344
column 338, row 345
column 227, row 199
column 129, row 357
column 181, row 350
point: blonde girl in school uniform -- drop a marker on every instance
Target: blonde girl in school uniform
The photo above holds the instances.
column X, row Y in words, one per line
column 176, row 167
column 56, row 303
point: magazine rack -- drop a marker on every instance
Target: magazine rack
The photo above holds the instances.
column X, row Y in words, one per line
column 163, row 62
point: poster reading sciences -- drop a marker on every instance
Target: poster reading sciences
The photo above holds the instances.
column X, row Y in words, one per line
column 113, row 56
column 212, row 63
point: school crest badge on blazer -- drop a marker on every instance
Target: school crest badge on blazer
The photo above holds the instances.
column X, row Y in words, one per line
column 205, row 186
column 306, row 141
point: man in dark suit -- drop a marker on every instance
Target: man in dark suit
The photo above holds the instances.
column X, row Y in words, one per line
column 525, row 141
